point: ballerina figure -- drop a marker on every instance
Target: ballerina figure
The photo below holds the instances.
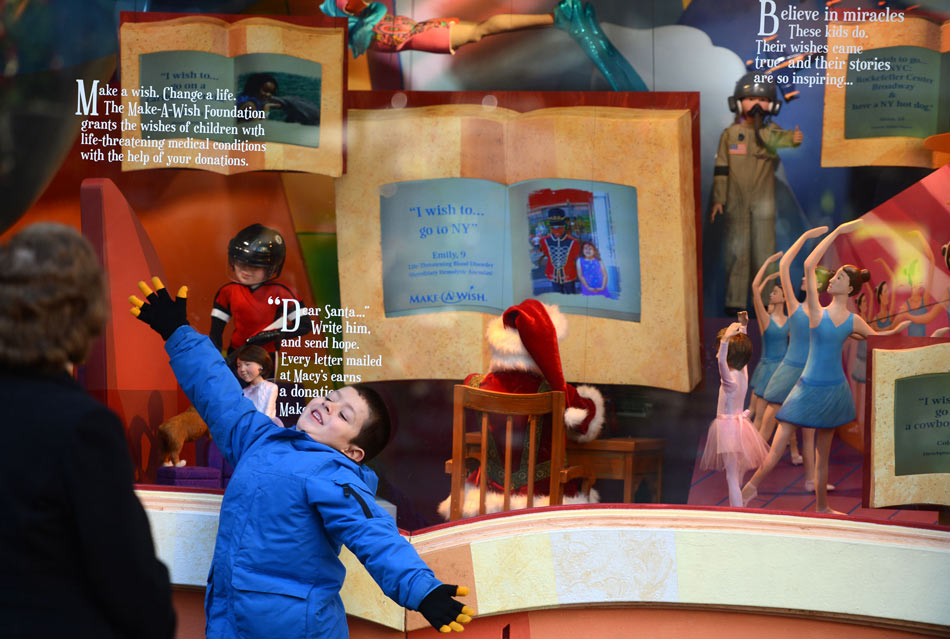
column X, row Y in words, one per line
column 733, row 444
column 773, row 327
column 857, row 353
column 790, row 368
column 821, row 398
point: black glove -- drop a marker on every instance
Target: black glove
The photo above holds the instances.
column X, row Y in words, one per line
column 443, row 612
column 160, row 311
column 265, row 337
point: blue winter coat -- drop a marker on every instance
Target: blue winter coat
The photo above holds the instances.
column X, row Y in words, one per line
column 289, row 506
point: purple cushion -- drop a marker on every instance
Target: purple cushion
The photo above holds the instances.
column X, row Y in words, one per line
column 189, row 476
column 217, row 460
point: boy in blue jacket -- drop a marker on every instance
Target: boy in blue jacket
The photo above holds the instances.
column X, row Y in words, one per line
column 296, row 495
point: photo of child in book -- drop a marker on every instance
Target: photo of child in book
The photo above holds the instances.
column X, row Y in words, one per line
column 744, row 183
column 559, row 253
column 260, row 93
column 255, row 259
column 591, row 271
column 296, row 496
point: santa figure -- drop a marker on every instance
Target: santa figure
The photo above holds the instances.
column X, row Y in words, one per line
column 525, row 359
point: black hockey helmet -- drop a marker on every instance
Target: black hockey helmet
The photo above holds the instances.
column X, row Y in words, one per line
column 749, row 87
column 257, row 245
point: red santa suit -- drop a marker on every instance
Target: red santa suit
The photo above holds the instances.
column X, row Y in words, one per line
column 525, row 359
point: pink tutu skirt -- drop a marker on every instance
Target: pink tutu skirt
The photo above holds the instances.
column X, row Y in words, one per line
column 733, row 436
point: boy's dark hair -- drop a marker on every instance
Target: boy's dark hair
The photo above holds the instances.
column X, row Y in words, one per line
column 740, row 349
column 256, row 354
column 53, row 298
column 374, row 435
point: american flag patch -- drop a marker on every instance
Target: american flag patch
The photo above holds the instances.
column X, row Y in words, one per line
column 737, row 149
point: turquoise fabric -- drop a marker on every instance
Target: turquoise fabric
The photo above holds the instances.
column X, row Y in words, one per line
column 360, row 27
column 774, row 346
column 822, row 398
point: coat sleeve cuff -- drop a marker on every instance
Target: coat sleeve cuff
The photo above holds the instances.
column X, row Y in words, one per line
column 585, row 424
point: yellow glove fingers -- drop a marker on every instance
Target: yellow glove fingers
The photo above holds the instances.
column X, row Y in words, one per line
column 457, row 627
column 157, row 283
column 445, row 629
column 468, row 611
column 463, row 618
column 461, row 591
column 146, row 291
column 182, row 292
column 137, row 305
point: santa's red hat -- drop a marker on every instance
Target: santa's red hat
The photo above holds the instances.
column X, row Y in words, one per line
column 526, row 338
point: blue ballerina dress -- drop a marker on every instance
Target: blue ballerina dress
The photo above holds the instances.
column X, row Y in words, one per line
column 822, row 398
column 788, row 372
column 774, row 346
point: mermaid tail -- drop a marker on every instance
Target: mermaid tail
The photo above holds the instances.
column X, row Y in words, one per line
column 580, row 22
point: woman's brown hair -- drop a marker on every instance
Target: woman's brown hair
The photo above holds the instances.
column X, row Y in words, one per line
column 53, row 300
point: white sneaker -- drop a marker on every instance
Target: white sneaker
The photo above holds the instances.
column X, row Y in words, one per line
column 810, row 486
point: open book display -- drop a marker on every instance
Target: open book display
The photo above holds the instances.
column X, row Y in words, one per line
column 441, row 248
column 255, row 94
column 896, row 93
column 448, row 208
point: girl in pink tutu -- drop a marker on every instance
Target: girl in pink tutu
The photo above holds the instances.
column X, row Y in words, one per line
column 733, row 444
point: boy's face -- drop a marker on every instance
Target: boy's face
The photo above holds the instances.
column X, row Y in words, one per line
column 750, row 101
column 249, row 275
column 268, row 89
column 335, row 420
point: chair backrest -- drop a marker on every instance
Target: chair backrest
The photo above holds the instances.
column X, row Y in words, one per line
column 510, row 405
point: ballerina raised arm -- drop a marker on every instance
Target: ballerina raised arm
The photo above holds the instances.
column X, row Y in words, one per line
column 785, row 266
column 813, row 305
column 758, row 287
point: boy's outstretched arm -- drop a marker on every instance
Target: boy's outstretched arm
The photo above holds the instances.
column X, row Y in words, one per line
column 353, row 518
column 204, row 376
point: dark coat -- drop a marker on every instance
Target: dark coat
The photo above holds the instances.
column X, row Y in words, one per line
column 76, row 552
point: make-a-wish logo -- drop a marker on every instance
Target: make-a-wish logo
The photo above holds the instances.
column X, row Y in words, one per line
column 456, row 297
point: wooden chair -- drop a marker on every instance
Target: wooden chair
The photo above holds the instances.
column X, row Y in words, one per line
column 475, row 444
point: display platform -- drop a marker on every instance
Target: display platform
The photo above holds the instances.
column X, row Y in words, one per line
column 591, row 560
